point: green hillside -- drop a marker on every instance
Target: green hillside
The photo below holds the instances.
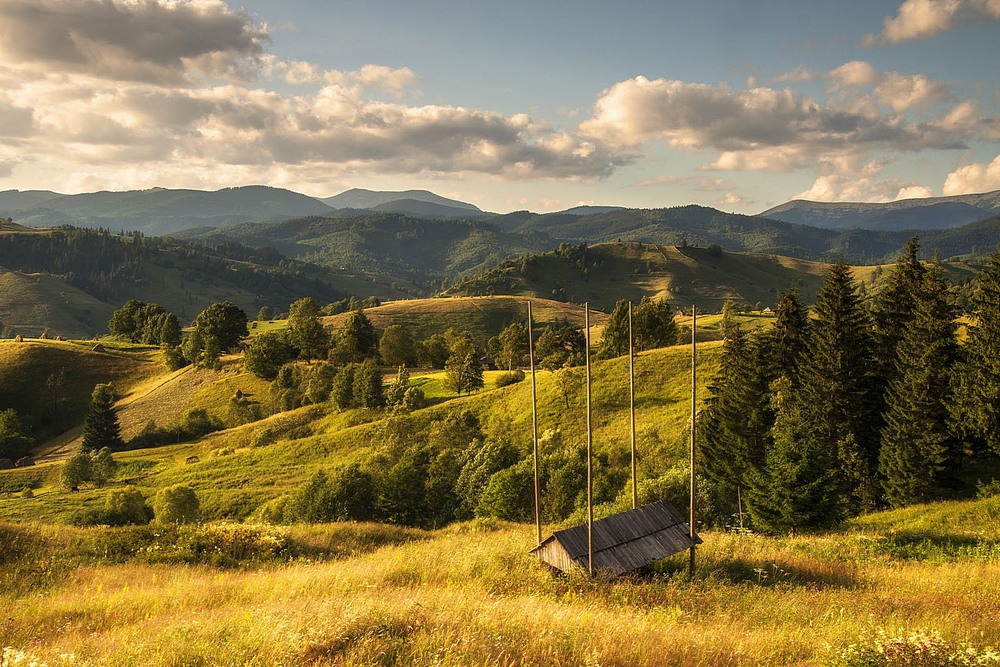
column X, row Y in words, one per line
column 32, row 304
column 482, row 317
column 49, row 382
column 235, row 485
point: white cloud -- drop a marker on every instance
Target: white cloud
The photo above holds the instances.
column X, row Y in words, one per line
column 849, row 178
column 978, row 177
column 857, row 73
column 166, row 42
column 920, row 19
column 893, row 89
column 758, row 129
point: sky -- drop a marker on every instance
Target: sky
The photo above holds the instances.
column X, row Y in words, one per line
column 508, row 105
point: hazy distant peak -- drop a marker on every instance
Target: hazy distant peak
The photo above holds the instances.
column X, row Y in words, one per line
column 359, row 198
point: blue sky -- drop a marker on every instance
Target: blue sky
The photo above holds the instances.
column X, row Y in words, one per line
column 737, row 105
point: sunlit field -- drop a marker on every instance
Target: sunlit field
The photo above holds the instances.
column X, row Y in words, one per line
column 358, row 594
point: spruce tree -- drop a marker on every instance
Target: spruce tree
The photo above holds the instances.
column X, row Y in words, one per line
column 896, row 303
column 100, row 426
column 976, row 409
column 917, row 452
column 789, row 337
column 836, row 393
column 735, row 427
column 798, row 487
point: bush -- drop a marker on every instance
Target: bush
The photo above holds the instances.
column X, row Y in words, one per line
column 122, row 507
column 176, row 504
column 927, row 649
column 988, row 489
column 263, row 438
column 508, row 379
column 77, row 470
column 413, row 399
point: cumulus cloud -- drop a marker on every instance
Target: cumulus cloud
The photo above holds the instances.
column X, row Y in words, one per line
column 978, row 177
column 920, row 19
column 134, row 40
column 851, row 178
column 893, row 89
column 762, row 129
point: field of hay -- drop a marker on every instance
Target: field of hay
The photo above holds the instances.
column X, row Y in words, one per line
column 361, row 594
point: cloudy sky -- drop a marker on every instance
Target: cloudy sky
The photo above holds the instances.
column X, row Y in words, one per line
column 509, row 105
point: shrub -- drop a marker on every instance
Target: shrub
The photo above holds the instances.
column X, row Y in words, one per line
column 122, row 507
column 263, row 438
column 508, row 379
column 176, row 504
column 988, row 489
column 77, row 470
column 414, row 399
column 925, row 649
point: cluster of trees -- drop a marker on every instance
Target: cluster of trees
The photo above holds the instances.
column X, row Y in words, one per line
column 852, row 406
column 15, row 438
column 147, row 323
column 428, row 474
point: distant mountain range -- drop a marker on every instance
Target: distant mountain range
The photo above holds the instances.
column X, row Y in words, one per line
column 160, row 211
column 915, row 214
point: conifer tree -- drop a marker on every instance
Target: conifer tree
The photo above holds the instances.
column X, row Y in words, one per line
column 896, row 302
column 736, row 424
column 917, row 452
column 976, row 409
column 788, row 338
column 836, row 390
column 798, row 487
column 100, row 426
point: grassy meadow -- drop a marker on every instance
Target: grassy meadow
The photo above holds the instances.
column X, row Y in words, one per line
column 232, row 591
column 362, row 594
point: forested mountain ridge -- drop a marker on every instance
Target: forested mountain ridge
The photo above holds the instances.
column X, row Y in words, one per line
column 180, row 276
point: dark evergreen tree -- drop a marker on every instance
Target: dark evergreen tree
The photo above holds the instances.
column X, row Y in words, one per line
column 788, row 339
column 799, row 486
column 836, row 390
column 100, row 426
column 735, row 426
column 895, row 304
column 918, row 453
column 976, row 409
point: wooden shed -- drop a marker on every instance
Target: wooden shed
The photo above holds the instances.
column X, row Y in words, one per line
column 622, row 542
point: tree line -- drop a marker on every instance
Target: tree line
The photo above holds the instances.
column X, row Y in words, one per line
column 855, row 405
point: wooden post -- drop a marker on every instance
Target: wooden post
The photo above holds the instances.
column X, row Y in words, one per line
column 631, row 407
column 534, row 429
column 694, row 394
column 590, row 457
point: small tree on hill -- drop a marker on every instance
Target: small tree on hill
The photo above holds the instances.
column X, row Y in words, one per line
column 368, row 385
column 266, row 354
column 14, row 439
column 100, row 426
column 433, row 351
column 397, row 390
column 77, row 470
column 305, row 331
column 356, row 341
column 513, row 346
column 397, row 346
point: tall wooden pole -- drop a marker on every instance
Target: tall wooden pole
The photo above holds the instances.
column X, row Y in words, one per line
column 590, row 456
column 631, row 407
column 694, row 394
column 534, row 428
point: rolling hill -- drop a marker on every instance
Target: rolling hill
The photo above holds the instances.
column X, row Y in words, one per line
column 359, row 198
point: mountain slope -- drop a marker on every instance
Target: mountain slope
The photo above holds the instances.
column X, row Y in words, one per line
column 359, row 198
column 929, row 213
column 162, row 211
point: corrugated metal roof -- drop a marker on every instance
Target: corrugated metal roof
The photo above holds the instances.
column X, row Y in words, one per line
column 626, row 541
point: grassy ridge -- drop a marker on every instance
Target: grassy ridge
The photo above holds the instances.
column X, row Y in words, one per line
column 470, row 594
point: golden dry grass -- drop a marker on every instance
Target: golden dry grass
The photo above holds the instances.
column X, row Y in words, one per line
column 471, row 595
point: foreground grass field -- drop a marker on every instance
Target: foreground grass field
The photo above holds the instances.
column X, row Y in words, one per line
column 225, row 594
